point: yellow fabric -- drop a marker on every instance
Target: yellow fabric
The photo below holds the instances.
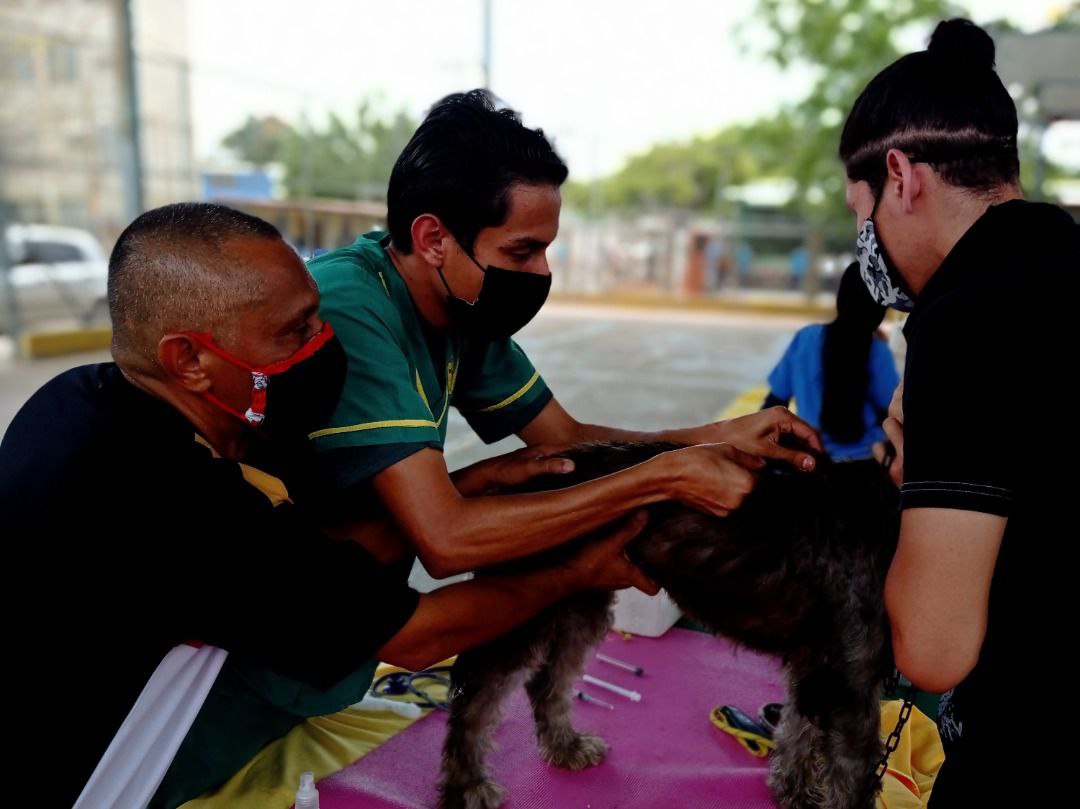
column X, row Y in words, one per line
column 323, row 745
column 423, row 395
column 914, row 764
column 749, row 401
column 274, row 488
column 755, row 745
column 513, row 397
column 451, row 380
column 373, row 425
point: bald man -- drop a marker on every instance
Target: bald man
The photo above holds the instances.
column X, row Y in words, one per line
column 158, row 500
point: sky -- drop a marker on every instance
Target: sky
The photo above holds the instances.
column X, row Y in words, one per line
column 605, row 78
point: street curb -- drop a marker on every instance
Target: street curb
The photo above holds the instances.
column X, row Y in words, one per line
column 37, row 345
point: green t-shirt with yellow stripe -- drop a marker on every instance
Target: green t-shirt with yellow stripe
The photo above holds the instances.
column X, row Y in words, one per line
column 404, row 376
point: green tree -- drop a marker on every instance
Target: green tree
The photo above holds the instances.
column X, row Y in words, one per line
column 344, row 158
column 843, row 44
column 260, row 140
column 1070, row 18
column 347, row 159
column 693, row 174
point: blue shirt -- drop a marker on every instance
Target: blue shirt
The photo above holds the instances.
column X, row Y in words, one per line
column 800, row 374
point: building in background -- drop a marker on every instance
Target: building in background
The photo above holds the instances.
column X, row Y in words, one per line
column 67, row 130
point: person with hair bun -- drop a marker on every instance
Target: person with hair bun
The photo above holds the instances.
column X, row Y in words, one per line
column 978, row 583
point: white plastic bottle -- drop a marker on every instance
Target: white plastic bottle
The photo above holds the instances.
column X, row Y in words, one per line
column 307, row 797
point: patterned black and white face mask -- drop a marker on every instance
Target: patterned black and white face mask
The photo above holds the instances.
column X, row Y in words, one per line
column 885, row 284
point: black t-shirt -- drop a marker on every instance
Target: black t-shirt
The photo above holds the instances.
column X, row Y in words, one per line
column 125, row 536
column 990, row 352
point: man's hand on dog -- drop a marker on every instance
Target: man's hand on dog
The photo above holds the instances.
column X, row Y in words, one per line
column 714, row 478
column 512, row 469
column 602, row 564
column 772, row 433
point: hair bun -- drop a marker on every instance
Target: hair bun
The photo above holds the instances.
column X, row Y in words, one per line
column 960, row 44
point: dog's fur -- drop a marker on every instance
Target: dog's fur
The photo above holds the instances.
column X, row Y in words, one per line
column 798, row 571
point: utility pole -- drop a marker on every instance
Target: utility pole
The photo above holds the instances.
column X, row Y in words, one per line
column 132, row 167
column 486, row 56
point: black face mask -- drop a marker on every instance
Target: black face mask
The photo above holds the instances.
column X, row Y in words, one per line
column 508, row 300
column 295, row 396
column 303, row 398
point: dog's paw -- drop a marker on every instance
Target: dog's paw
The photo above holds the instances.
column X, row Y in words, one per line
column 482, row 795
column 578, row 752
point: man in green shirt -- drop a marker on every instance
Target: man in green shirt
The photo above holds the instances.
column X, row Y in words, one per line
column 426, row 313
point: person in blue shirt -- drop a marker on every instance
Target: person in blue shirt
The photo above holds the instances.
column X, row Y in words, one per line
column 841, row 374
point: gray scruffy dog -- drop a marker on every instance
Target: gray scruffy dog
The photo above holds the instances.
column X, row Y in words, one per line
column 798, row 571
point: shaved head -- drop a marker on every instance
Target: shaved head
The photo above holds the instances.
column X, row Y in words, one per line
column 172, row 271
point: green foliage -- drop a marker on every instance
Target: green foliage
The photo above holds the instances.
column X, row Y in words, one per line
column 346, row 158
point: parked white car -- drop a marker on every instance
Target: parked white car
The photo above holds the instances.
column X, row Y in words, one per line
column 56, row 274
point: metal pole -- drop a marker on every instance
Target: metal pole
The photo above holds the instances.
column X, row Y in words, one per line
column 11, row 304
column 7, row 286
column 1039, row 191
column 133, row 165
column 309, row 190
column 486, row 57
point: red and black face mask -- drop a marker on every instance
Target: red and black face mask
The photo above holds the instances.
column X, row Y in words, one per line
column 291, row 397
